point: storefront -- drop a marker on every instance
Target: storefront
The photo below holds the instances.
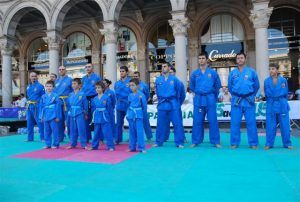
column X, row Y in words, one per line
column 222, row 38
column 76, row 53
column 284, row 44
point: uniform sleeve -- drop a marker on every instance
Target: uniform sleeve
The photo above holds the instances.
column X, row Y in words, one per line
column 230, row 83
column 93, row 105
column 85, row 104
column 108, row 104
column 144, row 103
column 116, row 90
column 113, row 100
column 147, row 92
column 256, row 83
column 192, row 82
column 267, row 89
column 40, row 108
column 217, row 85
column 182, row 93
column 284, row 90
column 58, row 108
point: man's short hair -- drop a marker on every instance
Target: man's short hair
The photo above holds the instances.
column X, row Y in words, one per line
column 203, row 54
column 77, row 80
column 124, row 68
column 54, row 75
column 137, row 72
column 241, row 53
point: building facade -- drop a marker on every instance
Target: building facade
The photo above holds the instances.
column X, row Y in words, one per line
column 40, row 35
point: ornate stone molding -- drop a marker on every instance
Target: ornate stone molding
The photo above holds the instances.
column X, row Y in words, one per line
column 260, row 17
column 7, row 45
column 180, row 26
column 110, row 32
column 54, row 40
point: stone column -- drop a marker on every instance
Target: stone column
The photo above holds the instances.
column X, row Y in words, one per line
column 110, row 33
column 142, row 62
column 260, row 16
column 193, row 54
column 96, row 61
column 54, row 41
column 7, row 46
column 180, row 23
column 22, row 74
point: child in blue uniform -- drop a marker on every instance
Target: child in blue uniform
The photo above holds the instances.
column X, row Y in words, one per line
column 50, row 115
column 276, row 91
column 100, row 110
column 122, row 91
column 78, row 114
column 135, row 116
column 205, row 83
column 35, row 90
column 111, row 94
column 243, row 85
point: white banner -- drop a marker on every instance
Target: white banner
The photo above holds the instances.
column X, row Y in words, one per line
column 223, row 112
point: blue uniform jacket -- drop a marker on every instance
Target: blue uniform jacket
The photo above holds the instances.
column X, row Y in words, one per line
column 137, row 105
column 63, row 86
column 111, row 94
column 277, row 96
column 88, row 84
column 243, row 86
column 144, row 89
column 50, row 107
column 205, row 86
column 100, row 109
column 122, row 91
column 77, row 104
column 35, row 91
column 167, row 92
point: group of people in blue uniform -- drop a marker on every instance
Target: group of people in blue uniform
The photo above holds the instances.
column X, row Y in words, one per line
column 77, row 104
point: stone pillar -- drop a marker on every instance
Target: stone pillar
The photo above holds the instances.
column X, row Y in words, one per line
column 142, row 62
column 22, row 74
column 193, row 54
column 96, row 61
column 54, row 41
column 180, row 23
column 7, row 46
column 260, row 16
column 110, row 33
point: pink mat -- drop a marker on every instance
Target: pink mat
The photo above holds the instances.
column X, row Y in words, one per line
column 81, row 155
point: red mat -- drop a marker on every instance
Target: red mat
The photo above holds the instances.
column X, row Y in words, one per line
column 81, row 155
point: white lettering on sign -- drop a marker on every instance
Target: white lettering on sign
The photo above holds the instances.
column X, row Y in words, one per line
column 214, row 55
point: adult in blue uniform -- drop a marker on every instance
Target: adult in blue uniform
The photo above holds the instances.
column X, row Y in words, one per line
column 50, row 115
column 143, row 87
column 167, row 90
column 88, row 87
column 35, row 90
column 63, row 87
column 276, row 91
column 135, row 115
column 111, row 94
column 100, row 108
column 122, row 91
column 205, row 84
column 243, row 85
column 181, row 97
column 78, row 115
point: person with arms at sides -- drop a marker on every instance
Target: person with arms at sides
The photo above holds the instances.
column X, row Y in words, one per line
column 102, row 126
column 243, row 85
column 35, row 90
column 143, row 87
column 78, row 115
column 88, row 87
column 135, row 115
column 111, row 94
column 206, row 84
column 50, row 115
column 63, row 88
column 168, row 109
column 276, row 91
column 122, row 91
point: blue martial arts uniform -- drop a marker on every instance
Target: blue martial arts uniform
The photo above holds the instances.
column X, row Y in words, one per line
column 135, row 115
column 243, row 86
column 63, row 87
column 143, row 87
column 51, row 109
column 111, row 94
column 78, row 108
column 168, row 109
column 181, row 97
column 206, row 88
column 88, row 87
column 34, row 93
column 277, row 111
column 101, row 119
column 122, row 91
